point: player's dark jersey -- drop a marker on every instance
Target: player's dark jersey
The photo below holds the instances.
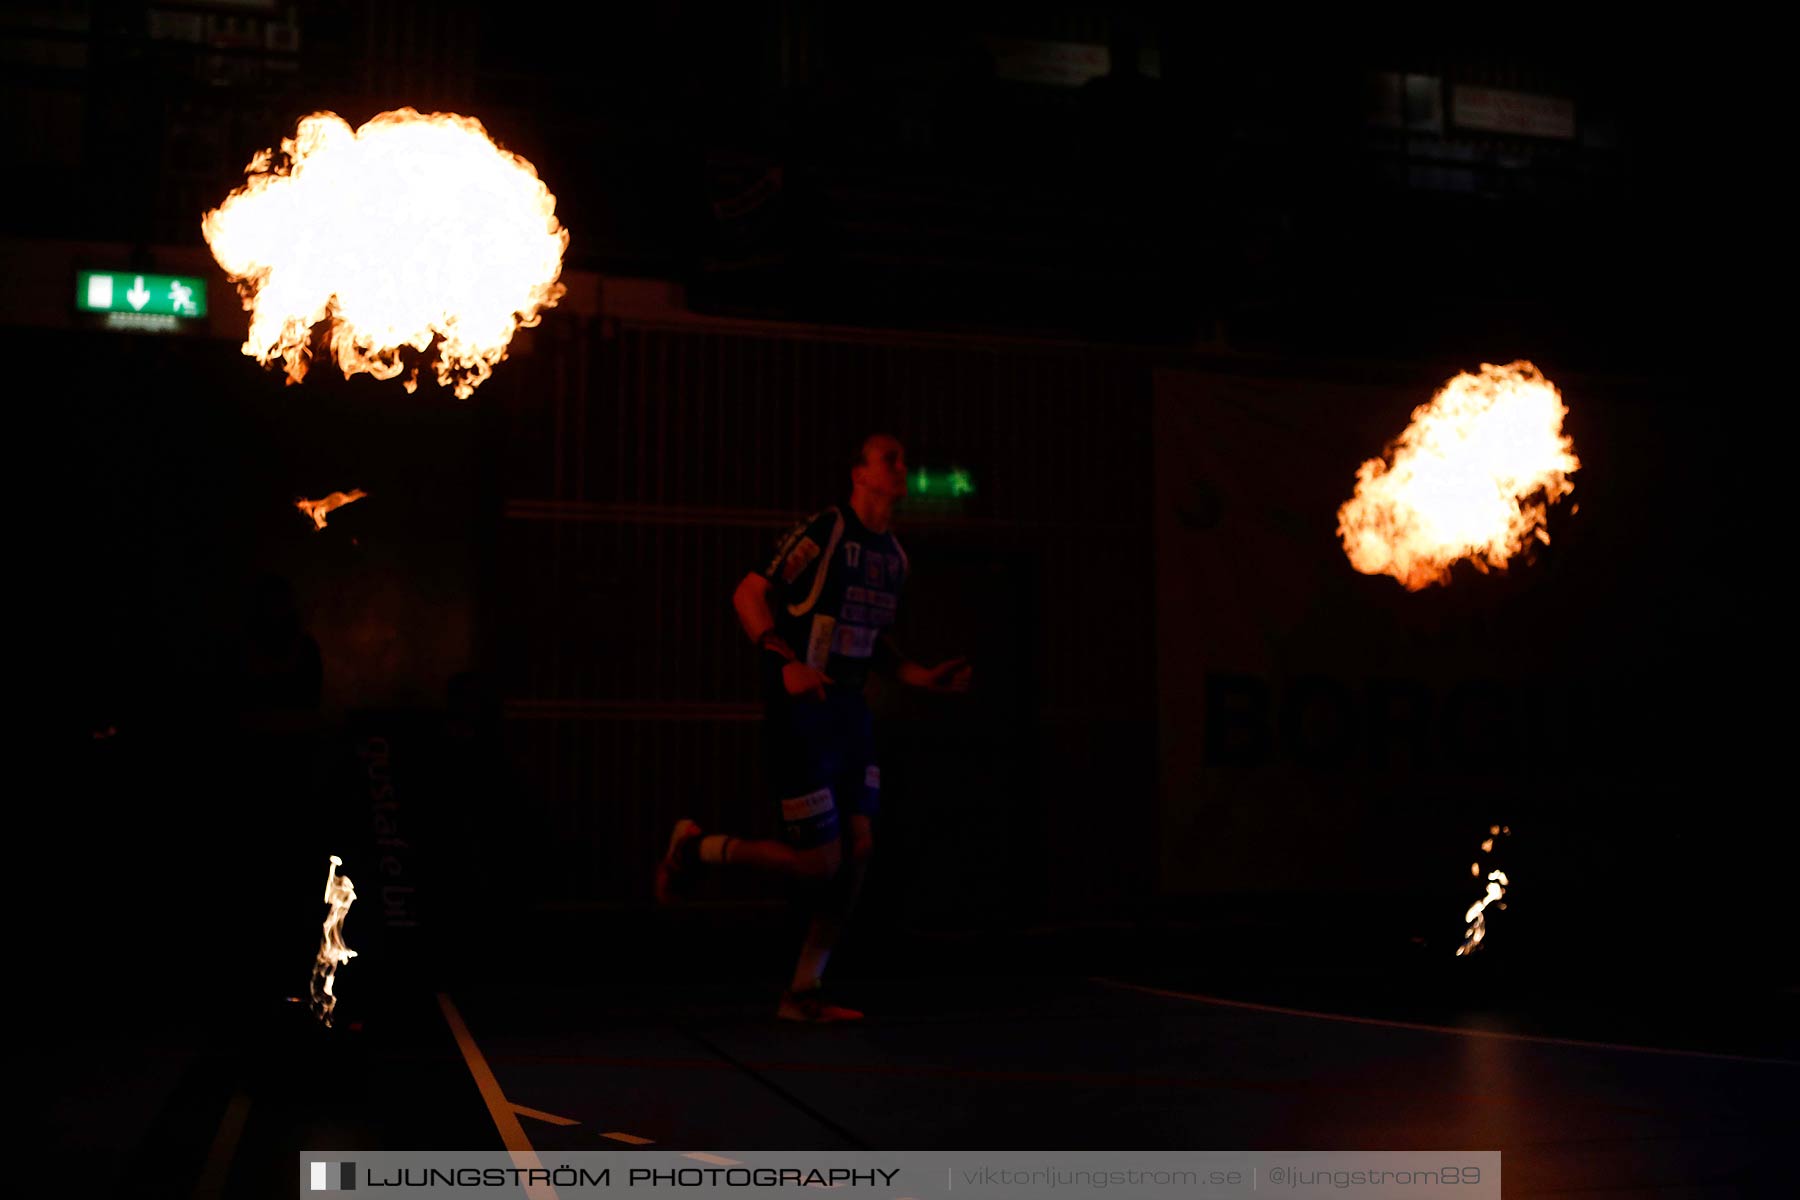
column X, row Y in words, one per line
column 836, row 590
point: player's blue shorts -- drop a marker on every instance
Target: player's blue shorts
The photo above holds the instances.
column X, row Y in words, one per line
column 820, row 757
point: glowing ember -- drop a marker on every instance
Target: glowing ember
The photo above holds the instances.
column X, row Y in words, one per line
column 316, row 509
column 340, row 894
column 411, row 227
column 1496, row 888
column 1470, row 478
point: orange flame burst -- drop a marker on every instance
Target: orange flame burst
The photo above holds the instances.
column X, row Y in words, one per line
column 340, row 894
column 1470, row 478
column 409, row 228
column 316, row 509
column 1497, row 883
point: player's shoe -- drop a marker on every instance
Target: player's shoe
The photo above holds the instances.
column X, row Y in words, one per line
column 671, row 871
column 809, row 1007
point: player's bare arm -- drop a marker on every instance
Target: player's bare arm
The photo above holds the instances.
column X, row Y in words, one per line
column 751, row 599
column 952, row 676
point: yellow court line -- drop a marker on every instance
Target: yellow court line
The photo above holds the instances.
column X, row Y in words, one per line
column 524, row 1155
column 224, row 1148
column 538, row 1114
column 630, row 1138
column 1495, row 1034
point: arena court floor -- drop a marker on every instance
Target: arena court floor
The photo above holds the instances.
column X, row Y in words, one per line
column 973, row 1041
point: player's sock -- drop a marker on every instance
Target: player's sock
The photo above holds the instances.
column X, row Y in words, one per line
column 815, row 952
column 713, row 848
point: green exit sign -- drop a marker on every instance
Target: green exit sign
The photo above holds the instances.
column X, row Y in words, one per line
column 941, row 484
column 130, row 292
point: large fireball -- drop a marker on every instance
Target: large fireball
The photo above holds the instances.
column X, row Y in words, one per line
column 1470, row 478
column 413, row 227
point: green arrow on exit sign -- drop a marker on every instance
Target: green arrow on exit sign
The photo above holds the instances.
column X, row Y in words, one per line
column 129, row 292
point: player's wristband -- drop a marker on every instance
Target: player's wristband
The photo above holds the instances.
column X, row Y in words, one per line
column 776, row 655
column 773, row 644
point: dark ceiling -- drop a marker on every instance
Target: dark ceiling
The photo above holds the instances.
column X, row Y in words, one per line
column 1115, row 172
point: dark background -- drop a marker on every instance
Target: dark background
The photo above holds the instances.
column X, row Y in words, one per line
column 872, row 224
